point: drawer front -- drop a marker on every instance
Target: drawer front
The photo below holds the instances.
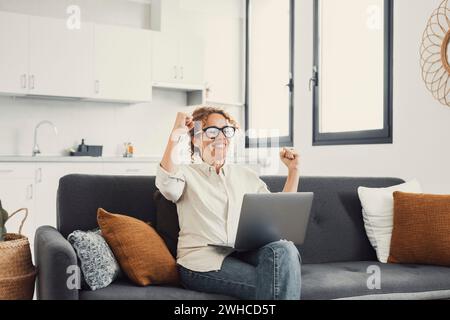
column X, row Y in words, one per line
column 62, row 169
column 16, row 170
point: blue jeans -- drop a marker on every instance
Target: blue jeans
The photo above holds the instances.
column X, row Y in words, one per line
column 272, row 272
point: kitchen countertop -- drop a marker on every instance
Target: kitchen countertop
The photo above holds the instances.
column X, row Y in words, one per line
column 44, row 158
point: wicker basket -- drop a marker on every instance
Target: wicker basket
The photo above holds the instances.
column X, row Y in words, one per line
column 18, row 288
column 17, row 273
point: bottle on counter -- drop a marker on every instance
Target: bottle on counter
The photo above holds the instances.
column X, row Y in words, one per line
column 82, row 147
column 129, row 150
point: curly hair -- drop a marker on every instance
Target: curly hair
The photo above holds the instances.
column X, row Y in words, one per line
column 202, row 113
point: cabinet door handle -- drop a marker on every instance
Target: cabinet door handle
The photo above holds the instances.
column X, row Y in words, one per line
column 30, row 192
column 39, row 175
column 6, row 171
column 31, row 82
column 133, row 170
column 97, row 86
column 23, row 81
column 182, row 73
column 175, row 72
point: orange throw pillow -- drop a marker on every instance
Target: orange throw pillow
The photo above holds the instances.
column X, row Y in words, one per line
column 421, row 232
column 140, row 251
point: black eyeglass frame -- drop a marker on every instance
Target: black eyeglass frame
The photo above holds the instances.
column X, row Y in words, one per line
column 220, row 129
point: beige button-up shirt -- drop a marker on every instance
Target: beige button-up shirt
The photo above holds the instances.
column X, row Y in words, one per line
column 208, row 206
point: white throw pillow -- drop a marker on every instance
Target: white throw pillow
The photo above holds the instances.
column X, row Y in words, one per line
column 378, row 214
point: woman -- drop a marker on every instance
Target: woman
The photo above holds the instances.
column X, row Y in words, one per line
column 208, row 196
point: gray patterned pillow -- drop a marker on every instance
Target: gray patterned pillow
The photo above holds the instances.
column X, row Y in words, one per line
column 98, row 264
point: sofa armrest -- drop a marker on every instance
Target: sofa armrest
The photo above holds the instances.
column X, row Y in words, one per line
column 53, row 256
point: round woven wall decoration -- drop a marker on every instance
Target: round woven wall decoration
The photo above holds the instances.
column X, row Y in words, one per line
column 434, row 53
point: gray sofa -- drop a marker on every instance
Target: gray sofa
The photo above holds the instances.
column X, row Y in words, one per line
column 336, row 254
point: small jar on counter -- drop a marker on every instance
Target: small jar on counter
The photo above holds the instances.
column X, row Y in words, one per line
column 129, row 150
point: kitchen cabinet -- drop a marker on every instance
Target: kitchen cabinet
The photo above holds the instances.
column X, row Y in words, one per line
column 13, row 52
column 192, row 60
column 61, row 59
column 178, row 61
column 17, row 191
column 165, row 58
column 41, row 56
column 47, row 177
column 123, row 63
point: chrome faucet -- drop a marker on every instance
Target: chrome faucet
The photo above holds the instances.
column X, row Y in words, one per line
column 36, row 149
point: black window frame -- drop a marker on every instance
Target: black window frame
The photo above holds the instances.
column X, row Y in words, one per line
column 265, row 142
column 381, row 136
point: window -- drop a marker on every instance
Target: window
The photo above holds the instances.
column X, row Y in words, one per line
column 352, row 72
column 269, row 73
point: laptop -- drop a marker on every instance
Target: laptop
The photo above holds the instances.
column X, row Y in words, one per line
column 269, row 217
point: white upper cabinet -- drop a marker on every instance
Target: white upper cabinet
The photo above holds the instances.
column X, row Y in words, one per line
column 16, row 192
column 165, row 58
column 43, row 57
column 61, row 59
column 13, row 52
column 123, row 64
column 178, row 61
column 192, row 60
column 47, row 176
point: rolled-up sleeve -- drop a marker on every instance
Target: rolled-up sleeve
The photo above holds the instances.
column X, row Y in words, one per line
column 171, row 185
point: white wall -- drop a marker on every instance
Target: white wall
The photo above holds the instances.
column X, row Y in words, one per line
column 421, row 124
column 146, row 125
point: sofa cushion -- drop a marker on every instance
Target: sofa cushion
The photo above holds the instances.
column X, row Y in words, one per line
column 167, row 224
column 125, row 290
column 421, row 232
column 97, row 261
column 336, row 229
column 378, row 212
column 141, row 252
column 79, row 196
column 319, row 281
column 346, row 280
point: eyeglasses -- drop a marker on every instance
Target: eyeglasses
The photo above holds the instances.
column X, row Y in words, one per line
column 213, row 132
